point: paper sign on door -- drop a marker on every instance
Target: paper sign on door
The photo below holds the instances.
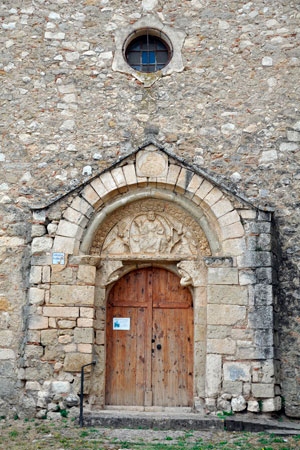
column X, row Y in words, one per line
column 121, row 323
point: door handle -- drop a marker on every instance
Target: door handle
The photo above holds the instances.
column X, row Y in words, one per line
column 158, row 347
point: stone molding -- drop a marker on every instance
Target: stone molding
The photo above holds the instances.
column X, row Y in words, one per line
column 175, row 37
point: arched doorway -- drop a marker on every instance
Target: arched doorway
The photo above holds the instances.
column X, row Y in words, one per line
column 149, row 355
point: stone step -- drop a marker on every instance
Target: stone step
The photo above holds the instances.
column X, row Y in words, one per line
column 180, row 419
column 159, row 420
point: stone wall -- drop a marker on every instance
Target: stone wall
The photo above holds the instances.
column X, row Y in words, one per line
column 65, row 114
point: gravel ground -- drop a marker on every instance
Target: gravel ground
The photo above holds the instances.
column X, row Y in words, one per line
column 65, row 434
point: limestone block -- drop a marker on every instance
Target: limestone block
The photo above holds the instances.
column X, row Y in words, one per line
column 238, row 404
column 35, row 275
column 230, row 295
column 213, row 375
column 66, row 324
column 263, row 372
column 100, row 337
column 253, row 406
column 74, row 361
column 236, row 371
column 264, row 338
column 6, row 338
column 225, row 314
column 33, row 336
column 210, row 404
column 36, row 296
column 65, row 294
column 65, row 339
column 41, row 244
column 46, row 274
column 48, row 337
column 223, row 405
column 221, row 346
column 85, row 348
column 74, row 216
column 38, row 322
column 63, row 312
column 255, row 259
column 263, row 294
column 234, row 388
column 229, row 218
column 64, row 244
column 203, row 190
column 173, row 174
column 130, row 175
column 119, row 179
column 99, row 187
column 194, row 184
column 69, row 229
column 84, row 335
column 32, row 386
column 218, row 332
column 83, row 322
column 108, row 181
column 222, row 207
column 271, row 404
column 91, row 196
column 200, row 334
column 52, row 322
column 70, row 348
column 80, row 205
column 255, row 352
column 219, row 275
column 262, row 390
column 87, row 312
column 34, row 351
column 6, row 353
column 63, row 276
column 241, row 334
column 213, row 196
column 56, row 36
column 264, row 275
column 261, row 317
column 38, row 230
column 60, row 387
column 247, row 277
column 86, row 273
column 235, row 230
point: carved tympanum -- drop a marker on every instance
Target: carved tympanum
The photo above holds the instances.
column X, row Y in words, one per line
column 150, row 227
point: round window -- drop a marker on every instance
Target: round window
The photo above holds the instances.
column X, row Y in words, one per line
column 147, row 51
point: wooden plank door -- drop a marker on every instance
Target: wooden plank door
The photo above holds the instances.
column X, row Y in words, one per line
column 172, row 340
column 152, row 363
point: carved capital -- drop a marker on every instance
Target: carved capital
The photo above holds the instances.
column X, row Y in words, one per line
column 193, row 273
column 110, row 271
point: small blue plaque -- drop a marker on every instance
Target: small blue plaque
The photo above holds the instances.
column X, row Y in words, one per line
column 58, row 258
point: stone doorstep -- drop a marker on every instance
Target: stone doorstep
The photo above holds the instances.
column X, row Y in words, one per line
column 181, row 420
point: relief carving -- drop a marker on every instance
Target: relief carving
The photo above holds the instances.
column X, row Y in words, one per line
column 192, row 273
column 150, row 227
column 151, row 164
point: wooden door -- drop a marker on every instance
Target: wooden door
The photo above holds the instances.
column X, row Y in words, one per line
column 152, row 362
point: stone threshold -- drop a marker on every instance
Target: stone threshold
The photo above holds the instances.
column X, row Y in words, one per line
column 181, row 419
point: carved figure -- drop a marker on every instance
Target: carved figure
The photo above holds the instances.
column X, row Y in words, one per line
column 150, row 227
column 148, row 234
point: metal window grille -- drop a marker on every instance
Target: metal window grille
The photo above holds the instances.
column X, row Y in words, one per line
column 147, row 53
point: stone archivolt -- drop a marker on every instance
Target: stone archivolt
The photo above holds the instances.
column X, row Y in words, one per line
column 151, row 227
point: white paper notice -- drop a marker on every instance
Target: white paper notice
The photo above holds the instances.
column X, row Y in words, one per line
column 121, row 323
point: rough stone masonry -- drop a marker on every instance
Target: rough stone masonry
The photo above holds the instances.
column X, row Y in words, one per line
column 68, row 112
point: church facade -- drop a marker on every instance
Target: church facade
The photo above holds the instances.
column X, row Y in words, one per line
column 149, row 205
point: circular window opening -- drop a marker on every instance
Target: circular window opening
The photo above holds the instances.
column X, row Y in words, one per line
column 147, row 51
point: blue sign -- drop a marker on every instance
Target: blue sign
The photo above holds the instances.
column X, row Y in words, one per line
column 58, row 258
